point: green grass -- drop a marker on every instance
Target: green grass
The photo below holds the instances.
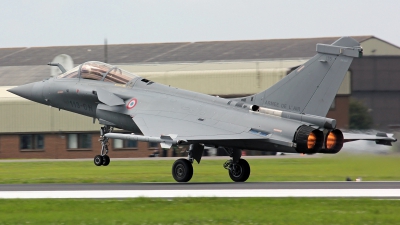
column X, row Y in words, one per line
column 212, row 211
column 180, row 211
column 327, row 168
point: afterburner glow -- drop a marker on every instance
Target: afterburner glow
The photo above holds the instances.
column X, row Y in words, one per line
column 331, row 140
column 312, row 139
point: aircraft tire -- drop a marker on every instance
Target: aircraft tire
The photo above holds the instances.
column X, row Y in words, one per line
column 98, row 160
column 106, row 160
column 182, row 170
column 242, row 172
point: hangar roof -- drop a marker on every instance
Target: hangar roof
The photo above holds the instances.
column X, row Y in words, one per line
column 171, row 52
column 25, row 65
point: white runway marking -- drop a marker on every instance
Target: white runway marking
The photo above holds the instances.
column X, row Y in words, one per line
column 272, row 193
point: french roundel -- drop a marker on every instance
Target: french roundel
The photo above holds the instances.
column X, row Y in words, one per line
column 132, row 103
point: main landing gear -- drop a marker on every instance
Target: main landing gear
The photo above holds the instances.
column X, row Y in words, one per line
column 238, row 172
column 239, row 169
column 182, row 169
column 103, row 159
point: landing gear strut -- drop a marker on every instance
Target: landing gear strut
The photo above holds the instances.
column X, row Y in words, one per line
column 239, row 169
column 103, row 159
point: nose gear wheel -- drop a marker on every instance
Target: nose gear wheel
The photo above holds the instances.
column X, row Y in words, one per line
column 98, row 160
column 106, row 160
column 103, row 159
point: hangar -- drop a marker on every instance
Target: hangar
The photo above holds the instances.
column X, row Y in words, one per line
column 224, row 68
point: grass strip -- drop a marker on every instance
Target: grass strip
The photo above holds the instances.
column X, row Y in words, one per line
column 182, row 211
column 327, row 168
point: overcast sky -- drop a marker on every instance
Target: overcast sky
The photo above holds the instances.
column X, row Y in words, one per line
column 30, row 23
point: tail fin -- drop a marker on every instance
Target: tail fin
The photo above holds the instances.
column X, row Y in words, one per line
column 311, row 88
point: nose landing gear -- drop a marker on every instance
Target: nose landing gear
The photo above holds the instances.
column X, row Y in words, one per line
column 103, row 159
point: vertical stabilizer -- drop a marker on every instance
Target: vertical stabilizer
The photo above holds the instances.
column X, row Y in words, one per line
column 311, row 88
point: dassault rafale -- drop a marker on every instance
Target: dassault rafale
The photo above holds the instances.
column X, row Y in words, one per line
column 289, row 117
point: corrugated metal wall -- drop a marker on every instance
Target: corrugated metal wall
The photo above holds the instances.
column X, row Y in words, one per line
column 222, row 78
column 377, row 47
column 376, row 82
column 220, row 82
column 25, row 116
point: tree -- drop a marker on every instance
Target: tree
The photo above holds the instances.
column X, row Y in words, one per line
column 360, row 119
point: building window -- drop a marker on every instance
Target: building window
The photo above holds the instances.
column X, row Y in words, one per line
column 78, row 141
column 119, row 143
column 31, row 141
column 153, row 145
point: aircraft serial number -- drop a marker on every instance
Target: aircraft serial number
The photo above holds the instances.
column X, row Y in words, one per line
column 283, row 106
column 79, row 105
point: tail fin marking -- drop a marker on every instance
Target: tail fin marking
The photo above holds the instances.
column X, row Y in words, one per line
column 311, row 88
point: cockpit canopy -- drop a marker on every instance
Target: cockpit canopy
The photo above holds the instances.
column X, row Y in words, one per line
column 99, row 71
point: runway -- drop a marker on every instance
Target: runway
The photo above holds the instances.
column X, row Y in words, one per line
column 171, row 190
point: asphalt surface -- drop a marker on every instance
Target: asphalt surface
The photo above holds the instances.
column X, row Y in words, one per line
column 201, row 186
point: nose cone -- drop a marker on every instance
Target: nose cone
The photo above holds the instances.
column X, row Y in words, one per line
column 24, row 91
column 32, row 91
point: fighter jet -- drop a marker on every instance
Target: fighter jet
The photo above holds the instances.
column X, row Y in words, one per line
column 288, row 117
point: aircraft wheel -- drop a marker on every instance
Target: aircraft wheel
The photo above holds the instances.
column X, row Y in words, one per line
column 240, row 172
column 106, row 160
column 98, row 160
column 182, row 170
